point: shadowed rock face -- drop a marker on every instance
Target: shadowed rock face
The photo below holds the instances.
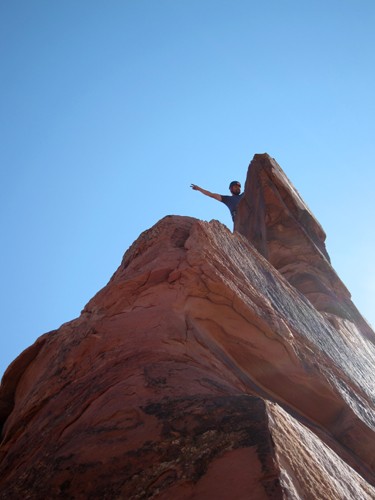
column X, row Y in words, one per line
column 208, row 367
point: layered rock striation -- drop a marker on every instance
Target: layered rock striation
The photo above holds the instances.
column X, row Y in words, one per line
column 282, row 228
column 212, row 365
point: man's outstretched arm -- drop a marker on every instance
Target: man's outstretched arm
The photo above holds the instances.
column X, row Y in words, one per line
column 207, row 193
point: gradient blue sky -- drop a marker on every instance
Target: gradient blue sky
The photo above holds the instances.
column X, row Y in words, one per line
column 110, row 109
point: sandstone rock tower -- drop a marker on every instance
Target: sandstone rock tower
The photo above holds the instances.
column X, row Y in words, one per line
column 213, row 365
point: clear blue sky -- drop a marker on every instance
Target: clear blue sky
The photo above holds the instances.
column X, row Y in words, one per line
column 110, row 109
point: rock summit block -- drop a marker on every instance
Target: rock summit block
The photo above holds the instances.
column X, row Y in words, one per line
column 212, row 365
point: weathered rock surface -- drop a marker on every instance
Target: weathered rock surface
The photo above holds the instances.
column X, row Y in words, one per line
column 282, row 228
column 213, row 365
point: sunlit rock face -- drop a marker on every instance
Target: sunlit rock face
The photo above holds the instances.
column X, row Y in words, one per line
column 282, row 228
column 206, row 368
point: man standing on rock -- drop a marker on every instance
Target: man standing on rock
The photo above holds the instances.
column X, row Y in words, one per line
column 230, row 201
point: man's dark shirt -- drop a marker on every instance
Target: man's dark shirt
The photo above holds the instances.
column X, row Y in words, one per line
column 232, row 202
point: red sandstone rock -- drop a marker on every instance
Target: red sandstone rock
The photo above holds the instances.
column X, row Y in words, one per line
column 201, row 371
column 282, row 228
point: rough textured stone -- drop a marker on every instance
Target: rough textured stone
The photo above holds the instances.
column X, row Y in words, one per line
column 206, row 368
column 282, row 228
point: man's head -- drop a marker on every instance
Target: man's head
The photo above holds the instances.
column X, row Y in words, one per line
column 235, row 187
